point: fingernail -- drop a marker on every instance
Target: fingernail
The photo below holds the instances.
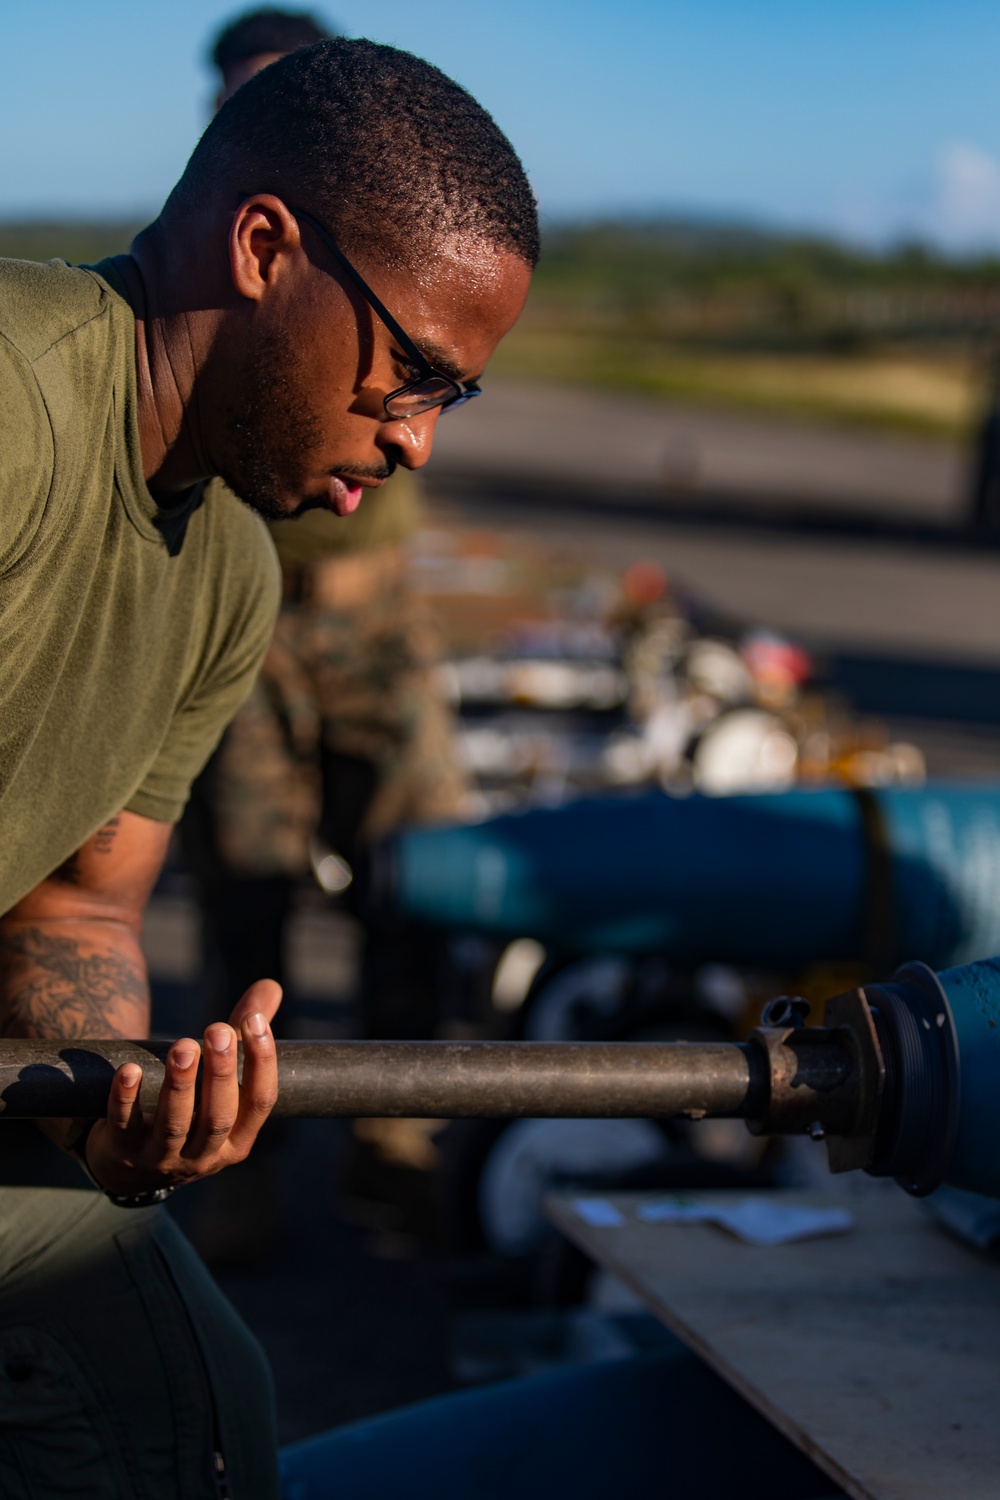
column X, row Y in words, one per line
column 219, row 1038
column 257, row 1023
column 130, row 1075
column 184, row 1057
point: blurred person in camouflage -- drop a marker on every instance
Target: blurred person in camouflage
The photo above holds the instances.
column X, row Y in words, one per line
column 346, row 734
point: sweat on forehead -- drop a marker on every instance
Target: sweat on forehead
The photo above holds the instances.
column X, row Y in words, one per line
column 382, row 147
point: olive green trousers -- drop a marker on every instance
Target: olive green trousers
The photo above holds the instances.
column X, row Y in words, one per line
column 124, row 1372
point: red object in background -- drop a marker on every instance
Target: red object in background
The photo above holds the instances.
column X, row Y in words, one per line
column 770, row 658
column 644, row 583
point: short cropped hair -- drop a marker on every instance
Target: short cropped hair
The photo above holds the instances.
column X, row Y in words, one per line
column 267, row 30
column 383, row 148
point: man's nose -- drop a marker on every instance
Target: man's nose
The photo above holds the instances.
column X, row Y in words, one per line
column 412, row 439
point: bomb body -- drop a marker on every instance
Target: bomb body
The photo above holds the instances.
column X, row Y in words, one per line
column 778, row 879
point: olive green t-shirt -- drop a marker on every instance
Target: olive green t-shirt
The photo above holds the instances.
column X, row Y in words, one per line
column 129, row 635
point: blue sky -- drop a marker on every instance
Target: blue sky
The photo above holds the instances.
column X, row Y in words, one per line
column 870, row 118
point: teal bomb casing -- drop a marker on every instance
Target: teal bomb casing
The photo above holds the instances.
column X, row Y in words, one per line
column 973, row 995
column 927, row 1062
column 777, row 879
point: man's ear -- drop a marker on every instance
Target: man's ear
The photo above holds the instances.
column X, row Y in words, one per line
column 263, row 240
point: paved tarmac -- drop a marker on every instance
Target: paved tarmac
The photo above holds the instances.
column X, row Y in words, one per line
column 878, row 593
column 849, row 539
column 527, row 430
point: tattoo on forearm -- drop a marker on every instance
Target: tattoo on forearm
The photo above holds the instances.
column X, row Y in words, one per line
column 103, row 842
column 104, row 838
column 51, row 986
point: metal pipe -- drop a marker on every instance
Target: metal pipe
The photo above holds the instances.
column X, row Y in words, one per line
column 901, row 1078
column 435, row 1079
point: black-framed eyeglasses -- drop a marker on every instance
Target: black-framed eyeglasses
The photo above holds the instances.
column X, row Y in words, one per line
column 429, row 387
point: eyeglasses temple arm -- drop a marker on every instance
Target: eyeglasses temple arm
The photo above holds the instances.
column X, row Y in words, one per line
column 409, row 347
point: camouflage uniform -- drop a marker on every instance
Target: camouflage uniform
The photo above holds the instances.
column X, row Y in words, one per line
column 346, row 732
column 350, row 675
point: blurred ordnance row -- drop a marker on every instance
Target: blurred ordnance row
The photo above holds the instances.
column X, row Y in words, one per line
column 623, row 682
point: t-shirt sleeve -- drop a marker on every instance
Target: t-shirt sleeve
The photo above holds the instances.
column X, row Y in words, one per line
column 221, row 688
column 27, row 448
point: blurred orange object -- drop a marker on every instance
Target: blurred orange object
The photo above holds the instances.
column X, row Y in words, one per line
column 644, row 583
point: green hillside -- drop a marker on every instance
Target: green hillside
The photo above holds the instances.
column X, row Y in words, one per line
column 76, row 241
column 743, row 318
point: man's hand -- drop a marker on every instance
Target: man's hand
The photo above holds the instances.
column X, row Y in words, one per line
column 71, row 966
column 131, row 1152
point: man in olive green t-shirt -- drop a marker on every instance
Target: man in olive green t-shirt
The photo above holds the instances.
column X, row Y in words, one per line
column 247, row 336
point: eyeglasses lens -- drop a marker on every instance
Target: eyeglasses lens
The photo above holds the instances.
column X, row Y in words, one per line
column 435, row 391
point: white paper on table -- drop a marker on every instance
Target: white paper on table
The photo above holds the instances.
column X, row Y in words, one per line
column 756, row 1221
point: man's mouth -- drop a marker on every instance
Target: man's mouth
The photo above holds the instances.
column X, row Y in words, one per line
column 344, row 494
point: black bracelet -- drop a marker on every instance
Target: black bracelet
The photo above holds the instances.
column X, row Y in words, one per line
column 76, row 1144
column 139, row 1200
